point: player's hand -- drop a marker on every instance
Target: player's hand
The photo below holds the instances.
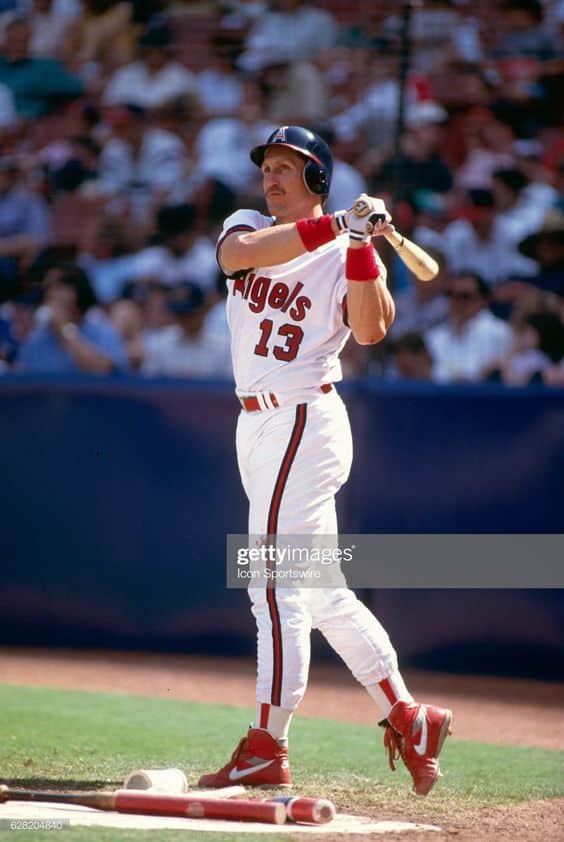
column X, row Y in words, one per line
column 366, row 218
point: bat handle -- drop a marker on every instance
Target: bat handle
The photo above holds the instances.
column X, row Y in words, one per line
column 394, row 238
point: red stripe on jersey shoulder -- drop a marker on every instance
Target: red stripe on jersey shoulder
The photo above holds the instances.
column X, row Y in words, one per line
column 223, row 237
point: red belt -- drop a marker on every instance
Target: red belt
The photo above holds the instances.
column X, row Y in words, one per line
column 251, row 404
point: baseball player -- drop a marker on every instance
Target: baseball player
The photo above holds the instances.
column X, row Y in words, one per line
column 299, row 282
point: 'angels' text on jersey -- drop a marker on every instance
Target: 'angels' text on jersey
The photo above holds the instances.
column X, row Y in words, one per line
column 286, row 321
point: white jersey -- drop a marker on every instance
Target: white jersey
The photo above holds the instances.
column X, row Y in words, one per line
column 287, row 322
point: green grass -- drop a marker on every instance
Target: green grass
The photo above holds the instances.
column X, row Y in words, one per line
column 73, row 739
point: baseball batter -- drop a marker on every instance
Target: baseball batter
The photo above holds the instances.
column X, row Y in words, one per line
column 299, row 282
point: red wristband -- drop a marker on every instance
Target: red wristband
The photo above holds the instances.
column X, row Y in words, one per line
column 361, row 264
column 316, row 231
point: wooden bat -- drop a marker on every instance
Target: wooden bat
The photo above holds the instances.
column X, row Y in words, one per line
column 415, row 258
column 157, row 804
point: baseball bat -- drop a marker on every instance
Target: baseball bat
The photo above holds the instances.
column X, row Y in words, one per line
column 311, row 810
column 157, row 804
column 415, row 258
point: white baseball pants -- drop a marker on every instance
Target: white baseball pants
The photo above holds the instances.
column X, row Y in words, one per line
column 292, row 461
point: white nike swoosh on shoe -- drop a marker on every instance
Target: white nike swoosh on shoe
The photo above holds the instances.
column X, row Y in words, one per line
column 421, row 747
column 236, row 774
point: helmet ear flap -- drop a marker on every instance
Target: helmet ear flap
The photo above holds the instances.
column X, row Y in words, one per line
column 315, row 178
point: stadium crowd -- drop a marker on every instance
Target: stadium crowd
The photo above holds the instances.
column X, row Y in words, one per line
column 124, row 136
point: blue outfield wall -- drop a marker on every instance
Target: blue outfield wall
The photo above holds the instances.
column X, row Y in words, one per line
column 116, row 496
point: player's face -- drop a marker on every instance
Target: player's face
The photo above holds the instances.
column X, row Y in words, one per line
column 286, row 195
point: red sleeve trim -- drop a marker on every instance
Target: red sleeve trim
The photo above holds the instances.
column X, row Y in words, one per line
column 316, row 231
column 361, row 264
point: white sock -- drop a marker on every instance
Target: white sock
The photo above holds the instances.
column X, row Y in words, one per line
column 275, row 720
column 388, row 691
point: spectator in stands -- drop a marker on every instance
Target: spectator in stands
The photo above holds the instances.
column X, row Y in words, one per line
column 477, row 241
column 295, row 91
column 127, row 318
column 433, row 29
column 519, row 210
column 423, row 305
column 487, row 147
column 307, row 30
column 347, row 182
column 108, row 258
column 154, row 79
column 187, row 348
column 522, row 32
column 538, row 345
column 70, row 336
column 142, row 165
column 222, row 145
column 373, row 112
column 471, row 338
column 48, row 29
column 25, row 225
column 8, row 113
column 37, row 84
column 411, row 359
column 546, row 247
column 420, row 163
column 16, row 322
column 220, row 84
column 102, row 38
column 182, row 252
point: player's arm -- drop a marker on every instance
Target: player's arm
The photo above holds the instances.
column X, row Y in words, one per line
column 243, row 249
column 370, row 306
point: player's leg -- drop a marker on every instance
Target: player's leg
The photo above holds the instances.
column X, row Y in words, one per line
column 294, row 462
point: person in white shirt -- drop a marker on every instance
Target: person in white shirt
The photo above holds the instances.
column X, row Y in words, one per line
column 303, row 26
column 187, row 348
column 182, row 252
column 464, row 346
column 154, row 79
column 480, row 241
column 142, row 165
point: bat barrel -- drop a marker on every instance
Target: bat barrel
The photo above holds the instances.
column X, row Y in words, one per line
column 157, row 804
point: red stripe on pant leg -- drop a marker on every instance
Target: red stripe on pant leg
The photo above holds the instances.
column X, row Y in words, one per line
column 387, row 690
column 289, row 456
column 264, row 711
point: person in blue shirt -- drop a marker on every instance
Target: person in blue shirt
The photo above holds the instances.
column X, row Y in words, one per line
column 70, row 335
column 37, row 84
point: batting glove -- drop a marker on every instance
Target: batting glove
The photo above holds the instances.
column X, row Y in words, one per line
column 360, row 220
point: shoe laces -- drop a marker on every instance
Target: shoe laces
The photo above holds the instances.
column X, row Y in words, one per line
column 393, row 745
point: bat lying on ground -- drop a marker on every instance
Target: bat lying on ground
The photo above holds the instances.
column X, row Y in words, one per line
column 275, row 811
column 158, row 804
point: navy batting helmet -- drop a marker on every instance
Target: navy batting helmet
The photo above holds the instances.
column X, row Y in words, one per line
column 319, row 164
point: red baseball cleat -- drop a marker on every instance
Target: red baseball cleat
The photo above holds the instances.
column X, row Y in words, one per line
column 259, row 760
column 416, row 733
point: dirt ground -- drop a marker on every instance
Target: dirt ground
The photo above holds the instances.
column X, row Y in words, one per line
column 495, row 710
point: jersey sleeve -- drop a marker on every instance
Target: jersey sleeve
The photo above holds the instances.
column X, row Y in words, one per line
column 241, row 220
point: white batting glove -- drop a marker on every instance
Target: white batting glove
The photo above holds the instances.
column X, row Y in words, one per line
column 362, row 218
